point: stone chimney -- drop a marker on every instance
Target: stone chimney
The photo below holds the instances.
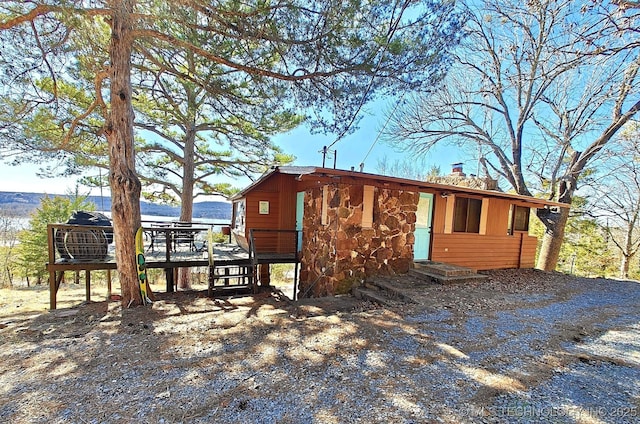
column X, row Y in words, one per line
column 459, row 178
column 456, row 170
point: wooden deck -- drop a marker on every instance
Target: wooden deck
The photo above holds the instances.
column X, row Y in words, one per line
column 166, row 247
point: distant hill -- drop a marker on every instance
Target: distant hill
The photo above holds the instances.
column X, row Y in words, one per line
column 22, row 204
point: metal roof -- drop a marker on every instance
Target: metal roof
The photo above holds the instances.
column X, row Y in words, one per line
column 303, row 171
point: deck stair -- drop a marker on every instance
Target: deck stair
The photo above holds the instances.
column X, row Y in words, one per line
column 442, row 273
column 228, row 279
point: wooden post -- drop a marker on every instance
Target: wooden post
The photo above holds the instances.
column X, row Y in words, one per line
column 108, row 284
column 296, row 270
column 169, row 277
column 264, row 275
column 87, row 283
column 53, row 290
column 53, row 286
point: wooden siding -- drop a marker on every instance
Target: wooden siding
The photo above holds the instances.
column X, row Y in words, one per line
column 255, row 220
column 439, row 212
column 498, row 217
column 495, row 249
column 280, row 192
column 482, row 252
column 528, row 251
column 287, row 190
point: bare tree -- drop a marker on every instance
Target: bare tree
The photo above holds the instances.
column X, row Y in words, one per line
column 536, row 93
column 411, row 169
column 617, row 197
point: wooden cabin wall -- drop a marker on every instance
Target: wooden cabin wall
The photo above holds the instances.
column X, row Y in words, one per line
column 483, row 252
column 439, row 211
column 255, row 220
column 280, row 192
column 493, row 250
column 498, row 217
column 528, row 250
column 287, row 188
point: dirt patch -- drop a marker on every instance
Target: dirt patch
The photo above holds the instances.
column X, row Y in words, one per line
column 460, row 353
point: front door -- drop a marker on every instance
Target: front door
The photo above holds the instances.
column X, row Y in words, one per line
column 423, row 227
column 299, row 216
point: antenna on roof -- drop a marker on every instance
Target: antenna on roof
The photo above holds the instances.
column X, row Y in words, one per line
column 326, row 152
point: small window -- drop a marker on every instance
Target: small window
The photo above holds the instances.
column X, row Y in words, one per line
column 466, row 215
column 520, row 218
column 240, row 215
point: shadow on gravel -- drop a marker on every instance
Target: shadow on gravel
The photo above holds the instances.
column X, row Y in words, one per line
column 468, row 353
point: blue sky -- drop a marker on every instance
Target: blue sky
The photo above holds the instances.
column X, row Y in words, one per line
column 351, row 151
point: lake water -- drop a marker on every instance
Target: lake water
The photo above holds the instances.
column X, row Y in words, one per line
column 22, row 223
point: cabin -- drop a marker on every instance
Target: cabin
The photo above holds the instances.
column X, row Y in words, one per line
column 350, row 225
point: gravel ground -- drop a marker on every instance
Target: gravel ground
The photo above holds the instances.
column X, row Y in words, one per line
column 525, row 346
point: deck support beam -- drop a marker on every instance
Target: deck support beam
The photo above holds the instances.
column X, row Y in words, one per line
column 87, row 284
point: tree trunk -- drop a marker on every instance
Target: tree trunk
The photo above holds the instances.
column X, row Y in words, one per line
column 554, row 223
column 186, row 198
column 624, row 266
column 125, row 185
column 628, row 251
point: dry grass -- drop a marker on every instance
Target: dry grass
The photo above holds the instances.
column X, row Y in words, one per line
column 35, row 299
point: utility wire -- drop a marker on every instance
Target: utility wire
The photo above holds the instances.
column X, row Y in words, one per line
column 400, row 100
column 392, row 31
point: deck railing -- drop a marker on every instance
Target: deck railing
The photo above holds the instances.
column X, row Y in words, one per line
column 167, row 241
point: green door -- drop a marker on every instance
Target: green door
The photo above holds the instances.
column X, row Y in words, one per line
column 423, row 227
column 299, row 216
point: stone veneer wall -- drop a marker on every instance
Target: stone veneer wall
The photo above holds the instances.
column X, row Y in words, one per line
column 341, row 254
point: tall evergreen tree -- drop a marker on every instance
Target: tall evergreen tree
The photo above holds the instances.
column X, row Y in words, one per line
column 330, row 56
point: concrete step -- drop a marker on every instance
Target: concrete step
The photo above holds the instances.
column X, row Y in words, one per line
column 389, row 288
column 432, row 277
column 377, row 296
column 446, row 270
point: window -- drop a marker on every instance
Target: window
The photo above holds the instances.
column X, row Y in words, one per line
column 466, row 215
column 240, row 215
column 520, row 218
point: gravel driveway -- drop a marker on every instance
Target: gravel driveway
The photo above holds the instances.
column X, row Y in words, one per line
column 526, row 346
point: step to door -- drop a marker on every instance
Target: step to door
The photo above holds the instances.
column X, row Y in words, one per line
column 376, row 296
column 428, row 276
column 445, row 270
